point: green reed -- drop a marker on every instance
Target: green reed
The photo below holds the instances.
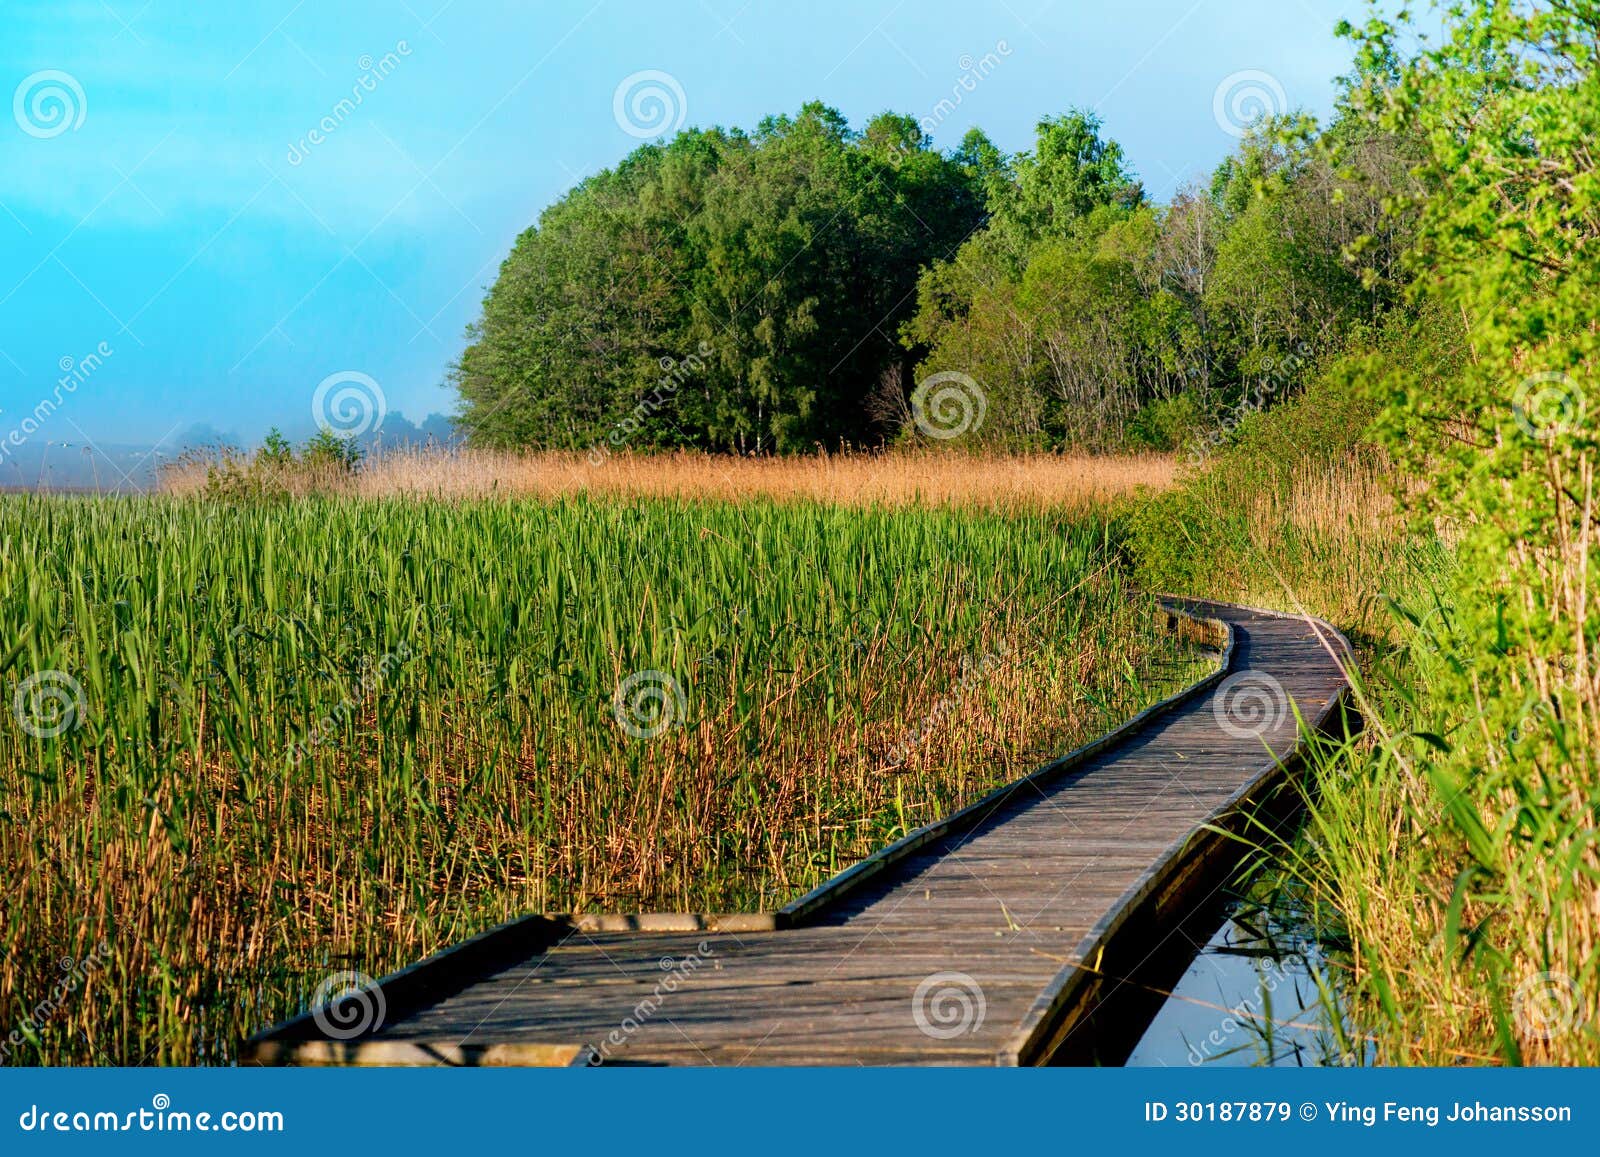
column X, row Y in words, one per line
column 266, row 743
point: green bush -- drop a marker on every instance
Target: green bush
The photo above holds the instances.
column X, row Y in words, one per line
column 1166, row 424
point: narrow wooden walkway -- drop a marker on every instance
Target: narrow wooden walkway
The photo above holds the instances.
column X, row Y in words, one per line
column 961, row 945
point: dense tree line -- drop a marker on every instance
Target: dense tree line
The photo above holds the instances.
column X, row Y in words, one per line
column 788, row 288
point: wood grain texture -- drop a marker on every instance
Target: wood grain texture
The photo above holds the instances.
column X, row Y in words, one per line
column 963, row 945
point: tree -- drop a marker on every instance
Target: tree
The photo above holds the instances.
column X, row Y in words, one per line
column 1506, row 212
column 778, row 266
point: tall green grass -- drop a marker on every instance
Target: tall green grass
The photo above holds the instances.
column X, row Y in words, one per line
column 1452, row 852
column 1448, row 857
column 265, row 743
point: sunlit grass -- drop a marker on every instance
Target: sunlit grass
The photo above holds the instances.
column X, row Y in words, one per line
column 326, row 734
column 1448, row 856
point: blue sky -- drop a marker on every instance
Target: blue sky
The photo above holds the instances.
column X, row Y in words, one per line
column 161, row 198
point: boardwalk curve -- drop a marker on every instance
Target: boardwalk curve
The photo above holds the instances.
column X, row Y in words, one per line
column 994, row 937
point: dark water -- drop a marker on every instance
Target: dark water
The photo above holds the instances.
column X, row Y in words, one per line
column 1250, row 996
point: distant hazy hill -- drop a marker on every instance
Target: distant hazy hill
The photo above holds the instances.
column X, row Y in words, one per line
column 120, row 467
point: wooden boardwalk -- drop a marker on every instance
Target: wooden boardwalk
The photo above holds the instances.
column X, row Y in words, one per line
column 986, row 939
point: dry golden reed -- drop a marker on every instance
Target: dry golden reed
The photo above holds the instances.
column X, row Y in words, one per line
column 891, row 479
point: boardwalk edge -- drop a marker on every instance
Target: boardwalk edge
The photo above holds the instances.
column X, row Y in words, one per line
column 1059, row 1009
column 797, row 912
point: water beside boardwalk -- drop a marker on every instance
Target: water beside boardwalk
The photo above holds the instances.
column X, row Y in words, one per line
column 1250, row 997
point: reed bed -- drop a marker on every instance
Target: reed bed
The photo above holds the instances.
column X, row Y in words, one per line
column 1324, row 535
column 252, row 745
column 1453, row 845
column 904, row 478
column 1448, row 860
